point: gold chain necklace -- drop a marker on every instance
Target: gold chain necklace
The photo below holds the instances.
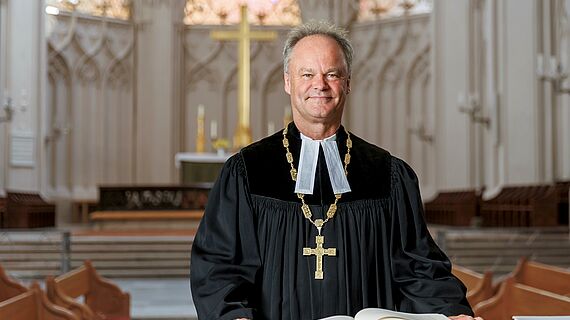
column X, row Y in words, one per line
column 319, row 251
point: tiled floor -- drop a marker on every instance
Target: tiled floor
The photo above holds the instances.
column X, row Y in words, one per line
column 159, row 299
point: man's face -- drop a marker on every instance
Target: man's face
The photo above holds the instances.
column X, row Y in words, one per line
column 317, row 80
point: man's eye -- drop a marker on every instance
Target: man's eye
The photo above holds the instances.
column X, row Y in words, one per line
column 332, row 76
column 307, row 75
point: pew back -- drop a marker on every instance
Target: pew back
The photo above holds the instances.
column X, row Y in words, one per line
column 521, row 300
column 543, row 276
column 102, row 298
column 33, row 305
column 8, row 287
column 479, row 286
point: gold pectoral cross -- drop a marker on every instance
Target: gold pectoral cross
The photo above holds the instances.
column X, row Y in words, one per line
column 319, row 252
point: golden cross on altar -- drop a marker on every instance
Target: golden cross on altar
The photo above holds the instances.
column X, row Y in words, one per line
column 319, row 252
column 242, row 135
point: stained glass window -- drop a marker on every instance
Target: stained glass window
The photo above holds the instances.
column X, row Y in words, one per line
column 261, row 12
column 378, row 9
column 119, row 9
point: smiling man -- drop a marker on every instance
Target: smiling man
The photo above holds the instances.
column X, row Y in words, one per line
column 314, row 221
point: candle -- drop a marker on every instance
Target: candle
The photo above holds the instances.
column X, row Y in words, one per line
column 213, row 130
column 200, row 111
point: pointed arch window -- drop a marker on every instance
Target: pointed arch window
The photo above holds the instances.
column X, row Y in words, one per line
column 118, row 9
column 261, row 12
column 380, row 9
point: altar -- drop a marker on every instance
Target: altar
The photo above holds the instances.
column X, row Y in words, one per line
column 199, row 167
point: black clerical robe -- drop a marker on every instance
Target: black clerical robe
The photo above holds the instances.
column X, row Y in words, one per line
column 247, row 258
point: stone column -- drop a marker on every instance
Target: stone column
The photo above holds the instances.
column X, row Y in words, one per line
column 159, row 28
column 23, row 79
column 450, row 65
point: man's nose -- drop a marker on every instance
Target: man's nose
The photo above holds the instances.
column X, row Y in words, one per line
column 320, row 82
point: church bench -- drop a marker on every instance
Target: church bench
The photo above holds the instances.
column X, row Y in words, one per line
column 517, row 299
column 102, row 299
column 8, row 287
column 28, row 210
column 563, row 187
column 522, row 206
column 542, row 276
column 33, row 305
column 479, row 286
column 2, row 211
column 457, row 208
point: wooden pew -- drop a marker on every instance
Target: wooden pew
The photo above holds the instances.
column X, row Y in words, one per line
column 33, row 305
column 457, row 208
column 521, row 300
column 3, row 209
column 542, row 276
column 562, row 189
column 28, row 210
column 8, row 287
column 479, row 286
column 522, row 206
column 103, row 299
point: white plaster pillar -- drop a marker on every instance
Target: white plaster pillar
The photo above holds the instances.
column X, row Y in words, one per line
column 3, row 75
column 159, row 28
column 23, row 77
column 520, row 130
column 450, row 65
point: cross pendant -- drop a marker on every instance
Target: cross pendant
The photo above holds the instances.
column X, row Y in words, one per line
column 319, row 252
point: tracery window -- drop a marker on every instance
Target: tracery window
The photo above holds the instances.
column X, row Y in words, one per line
column 119, row 9
column 261, row 12
column 379, row 9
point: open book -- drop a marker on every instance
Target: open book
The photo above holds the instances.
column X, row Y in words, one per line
column 383, row 314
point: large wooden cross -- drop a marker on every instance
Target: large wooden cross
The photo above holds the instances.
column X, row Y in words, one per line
column 242, row 135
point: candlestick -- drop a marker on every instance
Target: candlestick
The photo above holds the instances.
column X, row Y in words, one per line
column 213, row 130
column 200, row 137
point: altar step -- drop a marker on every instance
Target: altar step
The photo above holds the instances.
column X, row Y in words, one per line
column 499, row 250
column 160, row 255
column 166, row 254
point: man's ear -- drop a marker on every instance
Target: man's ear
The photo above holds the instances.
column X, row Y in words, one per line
column 287, row 82
column 348, row 85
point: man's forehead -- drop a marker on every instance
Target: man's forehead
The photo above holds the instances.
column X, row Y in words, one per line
column 311, row 39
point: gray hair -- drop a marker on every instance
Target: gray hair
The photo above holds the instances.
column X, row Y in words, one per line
column 318, row 28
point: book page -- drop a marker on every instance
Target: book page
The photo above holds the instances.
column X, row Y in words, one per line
column 541, row 317
column 383, row 314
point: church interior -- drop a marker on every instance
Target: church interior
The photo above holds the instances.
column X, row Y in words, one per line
column 116, row 117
